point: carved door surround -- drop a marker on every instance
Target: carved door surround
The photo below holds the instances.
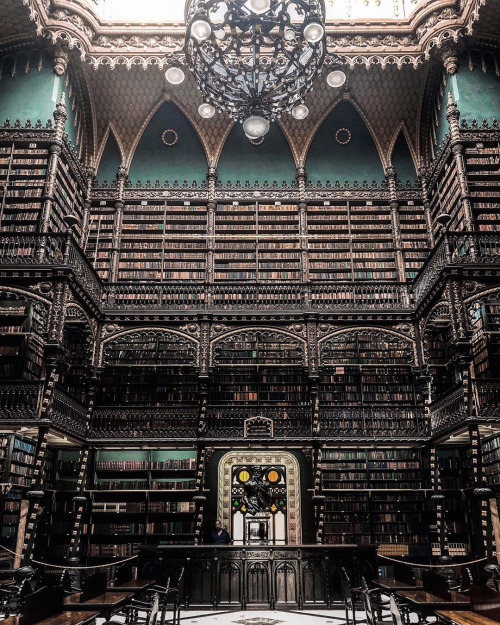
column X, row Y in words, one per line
column 262, row 457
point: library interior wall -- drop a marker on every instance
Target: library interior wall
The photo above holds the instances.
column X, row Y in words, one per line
column 475, row 91
column 402, row 160
column 153, row 160
column 110, row 160
column 356, row 160
column 271, row 160
column 24, row 75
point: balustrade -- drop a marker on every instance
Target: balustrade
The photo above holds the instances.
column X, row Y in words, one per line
column 449, row 410
column 139, row 422
column 20, row 399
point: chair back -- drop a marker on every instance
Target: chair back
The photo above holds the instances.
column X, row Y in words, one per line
column 367, row 605
column 397, row 617
column 154, row 611
column 93, row 585
column 345, row 589
column 485, row 601
column 42, row 604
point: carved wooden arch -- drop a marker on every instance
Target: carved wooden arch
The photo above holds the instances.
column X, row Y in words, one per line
column 231, row 333
column 44, row 304
column 402, row 128
column 74, row 310
column 442, row 308
column 412, row 345
column 111, row 129
column 363, row 116
column 153, row 330
column 267, row 456
column 178, row 103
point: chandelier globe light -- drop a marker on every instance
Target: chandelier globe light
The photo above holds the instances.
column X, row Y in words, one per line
column 253, row 59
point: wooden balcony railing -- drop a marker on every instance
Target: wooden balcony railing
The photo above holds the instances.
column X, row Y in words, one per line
column 20, row 399
column 68, row 414
column 456, row 248
column 53, row 249
column 144, row 422
column 449, row 410
column 373, row 421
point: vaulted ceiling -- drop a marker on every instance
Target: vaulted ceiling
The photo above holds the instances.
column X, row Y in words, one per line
column 120, row 68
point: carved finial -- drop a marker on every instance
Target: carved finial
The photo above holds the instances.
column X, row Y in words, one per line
column 122, row 171
column 390, row 172
column 449, row 55
column 61, row 58
column 60, row 114
column 452, row 114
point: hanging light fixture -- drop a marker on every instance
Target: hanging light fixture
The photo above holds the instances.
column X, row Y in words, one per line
column 254, row 59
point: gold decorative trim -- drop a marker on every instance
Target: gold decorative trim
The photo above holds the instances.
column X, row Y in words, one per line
column 171, row 131
column 339, row 140
column 293, row 515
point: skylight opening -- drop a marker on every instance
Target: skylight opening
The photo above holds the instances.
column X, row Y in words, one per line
column 172, row 11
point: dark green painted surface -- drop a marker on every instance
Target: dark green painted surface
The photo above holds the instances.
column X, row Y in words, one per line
column 33, row 94
column 153, row 160
column 306, row 483
column 477, row 93
column 110, row 160
column 357, row 160
column 402, row 160
column 272, row 160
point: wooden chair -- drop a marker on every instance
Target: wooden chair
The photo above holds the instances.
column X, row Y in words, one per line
column 372, row 618
column 132, row 613
column 349, row 595
column 12, row 599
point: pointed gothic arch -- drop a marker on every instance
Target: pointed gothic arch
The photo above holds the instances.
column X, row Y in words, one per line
column 342, row 137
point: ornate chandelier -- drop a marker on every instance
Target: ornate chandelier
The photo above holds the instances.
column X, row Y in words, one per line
column 253, row 59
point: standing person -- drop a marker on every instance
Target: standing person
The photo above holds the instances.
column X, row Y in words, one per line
column 220, row 536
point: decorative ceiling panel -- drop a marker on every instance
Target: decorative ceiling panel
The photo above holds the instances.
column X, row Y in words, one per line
column 15, row 23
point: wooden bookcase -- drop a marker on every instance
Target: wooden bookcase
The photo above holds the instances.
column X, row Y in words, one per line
column 375, row 496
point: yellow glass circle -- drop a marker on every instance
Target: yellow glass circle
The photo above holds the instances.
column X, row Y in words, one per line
column 244, row 476
column 273, row 476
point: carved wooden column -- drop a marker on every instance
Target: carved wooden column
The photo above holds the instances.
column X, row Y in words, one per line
column 318, row 496
column 34, row 496
column 211, row 207
column 60, row 117
column 390, row 174
column 438, row 499
column 422, row 176
column 121, row 177
column 483, row 493
column 90, row 175
column 457, row 148
column 200, row 498
column 301, row 178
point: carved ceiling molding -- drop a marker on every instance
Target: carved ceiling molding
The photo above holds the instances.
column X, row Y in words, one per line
column 73, row 23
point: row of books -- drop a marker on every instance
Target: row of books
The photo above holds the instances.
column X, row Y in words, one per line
column 134, row 465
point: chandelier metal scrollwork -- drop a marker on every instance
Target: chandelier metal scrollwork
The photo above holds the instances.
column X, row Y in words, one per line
column 253, row 59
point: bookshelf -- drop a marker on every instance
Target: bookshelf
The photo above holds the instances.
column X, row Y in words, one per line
column 149, row 368
column 485, row 317
column 375, row 496
column 482, row 161
column 414, row 236
column 140, row 497
column 367, row 368
column 23, row 174
column 21, row 345
column 17, row 457
column 445, row 196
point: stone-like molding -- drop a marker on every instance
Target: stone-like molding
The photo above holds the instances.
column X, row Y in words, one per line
column 269, row 456
column 75, row 25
